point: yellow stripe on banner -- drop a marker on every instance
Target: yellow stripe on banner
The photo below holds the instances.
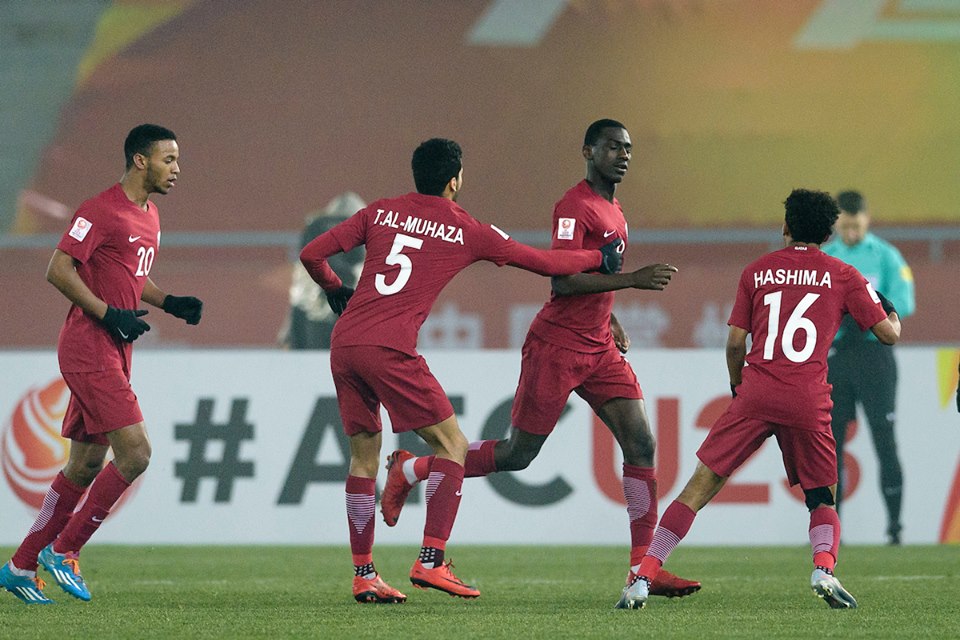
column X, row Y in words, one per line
column 947, row 362
column 124, row 22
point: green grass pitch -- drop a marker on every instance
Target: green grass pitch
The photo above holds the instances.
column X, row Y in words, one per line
column 528, row 592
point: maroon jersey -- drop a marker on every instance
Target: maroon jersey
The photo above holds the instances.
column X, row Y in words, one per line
column 792, row 301
column 114, row 243
column 415, row 245
column 581, row 220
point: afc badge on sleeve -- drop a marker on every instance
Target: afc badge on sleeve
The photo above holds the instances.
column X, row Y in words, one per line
column 81, row 227
column 565, row 227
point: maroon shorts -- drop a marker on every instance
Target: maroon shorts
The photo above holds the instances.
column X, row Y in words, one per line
column 548, row 373
column 368, row 376
column 809, row 457
column 100, row 402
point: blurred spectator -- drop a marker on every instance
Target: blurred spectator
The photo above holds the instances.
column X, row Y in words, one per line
column 310, row 320
column 861, row 369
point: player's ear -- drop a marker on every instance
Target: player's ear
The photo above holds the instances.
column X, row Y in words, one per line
column 587, row 151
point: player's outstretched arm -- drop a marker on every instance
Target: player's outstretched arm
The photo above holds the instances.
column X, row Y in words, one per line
column 554, row 262
column 655, row 277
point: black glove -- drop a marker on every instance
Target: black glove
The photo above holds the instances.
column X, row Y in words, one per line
column 733, row 390
column 888, row 307
column 338, row 298
column 612, row 257
column 126, row 323
column 186, row 308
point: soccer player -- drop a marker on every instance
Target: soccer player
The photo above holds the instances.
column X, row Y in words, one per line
column 102, row 265
column 416, row 243
column 791, row 302
column 855, row 352
column 575, row 344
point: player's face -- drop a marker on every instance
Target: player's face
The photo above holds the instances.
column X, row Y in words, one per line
column 852, row 227
column 163, row 166
column 611, row 155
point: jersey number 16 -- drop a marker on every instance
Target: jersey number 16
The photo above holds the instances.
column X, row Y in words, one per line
column 796, row 322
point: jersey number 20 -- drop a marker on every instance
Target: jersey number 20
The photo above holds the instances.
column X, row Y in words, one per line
column 396, row 257
column 796, row 322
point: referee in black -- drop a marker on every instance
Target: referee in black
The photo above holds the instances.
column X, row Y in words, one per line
column 861, row 369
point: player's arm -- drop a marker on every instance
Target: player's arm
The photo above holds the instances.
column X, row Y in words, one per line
column 558, row 262
column 888, row 329
column 62, row 273
column 314, row 259
column 736, row 355
column 186, row 308
column 654, row 277
column 125, row 323
column 152, row 294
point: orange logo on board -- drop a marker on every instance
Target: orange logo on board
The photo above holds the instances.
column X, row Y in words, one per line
column 32, row 451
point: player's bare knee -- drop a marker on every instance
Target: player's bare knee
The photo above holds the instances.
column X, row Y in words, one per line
column 82, row 473
column 819, row 497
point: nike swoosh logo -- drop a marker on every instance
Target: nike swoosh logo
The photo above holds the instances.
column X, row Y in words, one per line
column 606, row 234
column 122, row 334
column 133, row 238
column 458, row 493
column 96, row 519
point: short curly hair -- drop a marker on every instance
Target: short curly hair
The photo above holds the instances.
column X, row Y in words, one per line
column 810, row 215
column 434, row 163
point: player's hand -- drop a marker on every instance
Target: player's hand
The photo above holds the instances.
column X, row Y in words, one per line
column 338, row 298
column 888, row 307
column 653, row 276
column 126, row 323
column 612, row 257
column 186, row 308
column 620, row 337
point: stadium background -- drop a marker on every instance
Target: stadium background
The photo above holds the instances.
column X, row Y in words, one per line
column 281, row 106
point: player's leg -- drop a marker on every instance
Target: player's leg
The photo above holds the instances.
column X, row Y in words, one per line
column 674, row 525
column 731, row 441
column 85, row 460
column 443, row 493
column 548, row 374
column 131, row 449
column 361, row 487
column 842, row 374
column 359, row 406
column 614, row 393
column 808, row 458
column 879, row 397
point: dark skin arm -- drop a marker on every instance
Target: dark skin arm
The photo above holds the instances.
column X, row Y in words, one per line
column 62, row 273
column 654, row 277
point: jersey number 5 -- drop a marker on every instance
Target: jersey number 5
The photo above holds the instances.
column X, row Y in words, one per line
column 796, row 322
column 396, row 257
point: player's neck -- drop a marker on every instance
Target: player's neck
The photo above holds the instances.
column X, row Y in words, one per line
column 603, row 188
column 134, row 191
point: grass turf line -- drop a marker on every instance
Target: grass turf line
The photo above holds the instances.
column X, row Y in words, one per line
column 531, row 592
